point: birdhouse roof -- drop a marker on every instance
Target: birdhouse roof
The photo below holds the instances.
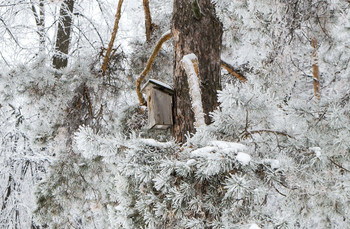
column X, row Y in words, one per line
column 158, row 85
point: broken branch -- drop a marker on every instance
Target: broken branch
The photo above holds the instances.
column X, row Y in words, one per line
column 233, row 71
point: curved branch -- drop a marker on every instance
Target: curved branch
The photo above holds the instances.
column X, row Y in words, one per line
column 150, row 62
column 232, row 71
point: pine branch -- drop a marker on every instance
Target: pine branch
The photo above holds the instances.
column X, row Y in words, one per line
column 233, row 71
column 114, row 34
column 149, row 64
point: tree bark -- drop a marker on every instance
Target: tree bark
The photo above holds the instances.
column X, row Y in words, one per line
column 195, row 30
column 60, row 59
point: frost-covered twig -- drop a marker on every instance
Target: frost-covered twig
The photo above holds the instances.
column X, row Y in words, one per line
column 190, row 64
column 150, row 61
column 269, row 131
column 338, row 165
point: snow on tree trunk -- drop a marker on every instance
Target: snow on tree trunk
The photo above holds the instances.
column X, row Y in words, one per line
column 201, row 36
column 190, row 64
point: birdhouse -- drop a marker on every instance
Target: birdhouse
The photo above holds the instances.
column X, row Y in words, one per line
column 159, row 102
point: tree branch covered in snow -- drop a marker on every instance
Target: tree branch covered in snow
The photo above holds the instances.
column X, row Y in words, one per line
column 190, row 64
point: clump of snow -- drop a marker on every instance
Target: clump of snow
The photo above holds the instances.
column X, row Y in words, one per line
column 317, row 151
column 154, row 143
column 188, row 62
column 191, row 162
column 204, row 151
column 233, row 146
column 243, row 158
column 275, row 164
column 254, row 226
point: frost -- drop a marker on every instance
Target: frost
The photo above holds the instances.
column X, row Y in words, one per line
column 317, row 151
column 275, row 164
column 188, row 62
column 243, row 158
column 206, row 151
column 154, row 143
column 232, row 146
column 191, row 162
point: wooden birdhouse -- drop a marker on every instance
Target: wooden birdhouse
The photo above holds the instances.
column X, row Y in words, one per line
column 159, row 102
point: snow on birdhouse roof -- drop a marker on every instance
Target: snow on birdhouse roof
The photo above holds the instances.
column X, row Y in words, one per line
column 152, row 83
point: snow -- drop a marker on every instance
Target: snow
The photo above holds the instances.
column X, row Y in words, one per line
column 154, row 143
column 243, row 158
column 233, row 146
column 195, row 92
column 161, row 84
column 254, row 226
column 204, row 151
column 317, row 151
column 191, row 162
column 275, row 164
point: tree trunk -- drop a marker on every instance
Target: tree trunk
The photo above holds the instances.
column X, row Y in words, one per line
column 60, row 59
column 40, row 23
column 195, row 30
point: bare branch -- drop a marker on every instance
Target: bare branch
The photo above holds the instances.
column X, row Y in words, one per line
column 114, row 34
column 315, row 69
column 270, row 131
column 233, row 71
column 338, row 165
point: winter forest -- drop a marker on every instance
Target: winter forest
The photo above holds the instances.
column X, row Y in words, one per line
column 175, row 114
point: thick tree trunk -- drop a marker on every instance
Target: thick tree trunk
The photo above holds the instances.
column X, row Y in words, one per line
column 196, row 31
column 60, row 59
